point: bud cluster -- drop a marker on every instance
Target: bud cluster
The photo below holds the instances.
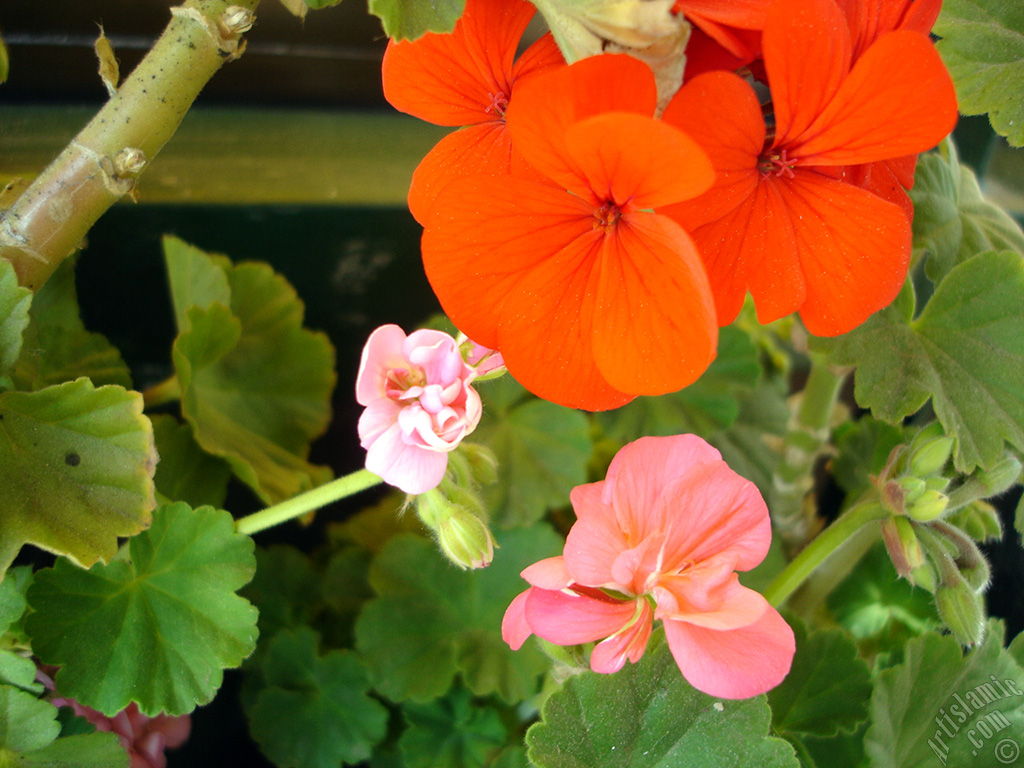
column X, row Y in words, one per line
column 454, row 511
column 935, row 525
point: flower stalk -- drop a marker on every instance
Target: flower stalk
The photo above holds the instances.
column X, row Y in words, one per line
column 102, row 163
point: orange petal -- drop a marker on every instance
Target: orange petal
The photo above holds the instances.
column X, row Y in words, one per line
column 898, row 100
column 510, row 261
column 637, row 160
column 545, row 106
column 870, row 19
column 807, row 51
column 721, row 113
column 476, row 149
column 654, row 325
column 540, row 56
column 716, row 19
column 452, row 79
column 854, row 250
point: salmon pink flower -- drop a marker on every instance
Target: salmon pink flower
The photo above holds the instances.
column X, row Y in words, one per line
column 781, row 221
column 662, row 538
column 590, row 295
column 465, row 78
column 419, row 405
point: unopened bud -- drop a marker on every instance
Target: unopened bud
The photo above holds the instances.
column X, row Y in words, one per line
column 960, row 608
column 985, row 483
column 466, row 540
column 902, row 544
column 483, row 464
column 929, row 451
column 912, row 487
column 979, row 520
column 928, row 506
column 924, row 576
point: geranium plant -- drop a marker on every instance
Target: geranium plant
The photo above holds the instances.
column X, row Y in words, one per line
column 712, row 458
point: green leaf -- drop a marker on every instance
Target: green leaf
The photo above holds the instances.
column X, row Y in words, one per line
column 647, row 716
column 94, row 750
column 454, row 732
column 747, row 446
column 873, row 602
column 965, row 352
column 943, row 707
column 1018, row 517
column 12, row 596
column 186, row 472
column 707, row 406
column 14, row 306
column 157, row 625
column 255, row 384
column 827, row 689
column 19, row 671
column 314, row 711
column 542, row 452
column 78, row 465
column 5, row 62
column 983, row 46
column 431, row 620
column 286, row 590
column 409, row 19
column 57, row 347
column 26, row 723
column 952, row 219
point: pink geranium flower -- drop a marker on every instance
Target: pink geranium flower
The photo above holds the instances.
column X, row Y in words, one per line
column 662, row 538
column 419, row 405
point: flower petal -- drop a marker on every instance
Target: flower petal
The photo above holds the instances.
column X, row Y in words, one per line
column 410, row 468
column 611, row 655
column 549, row 573
column 733, row 663
column 546, row 105
column 807, row 53
column 595, row 540
column 654, row 326
column 637, row 160
column 854, row 251
column 514, row 627
column 382, row 353
column 731, row 605
column 569, row 618
column 452, row 79
column 898, row 100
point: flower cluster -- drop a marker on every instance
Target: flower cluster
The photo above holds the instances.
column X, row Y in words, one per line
column 419, row 402
column 662, row 538
column 599, row 244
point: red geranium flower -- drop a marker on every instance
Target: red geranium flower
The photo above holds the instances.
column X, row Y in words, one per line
column 590, row 295
column 721, row 20
column 465, row 78
column 779, row 221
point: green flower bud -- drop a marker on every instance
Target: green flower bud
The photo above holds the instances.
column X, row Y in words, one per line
column 483, row 463
column 928, row 506
column 912, row 487
column 985, row 483
column 465, row 539
column 929, row 454
column 902, row 544
column 924, row 576
column 960, row 608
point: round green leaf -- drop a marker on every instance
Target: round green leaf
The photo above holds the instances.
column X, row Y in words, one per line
column 14, row 307
column 78, row 466
column 409, row 19
column 454, row 732
column 314, row 712
column 157, row 626
column 647, row 716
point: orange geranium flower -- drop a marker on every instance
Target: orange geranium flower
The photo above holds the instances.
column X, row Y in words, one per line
column 780, row 221
column 465, row 78
column 590, row 295
column 720, row 20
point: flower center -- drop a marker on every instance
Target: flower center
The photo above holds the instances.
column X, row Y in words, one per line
column 399, row 380
column 778, row 163
column 607, row 216
column 499, row 103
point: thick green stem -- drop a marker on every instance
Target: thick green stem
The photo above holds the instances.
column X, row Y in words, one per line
column 815, row 553
column 100, row 165
column 808, row 431
column 297, row 506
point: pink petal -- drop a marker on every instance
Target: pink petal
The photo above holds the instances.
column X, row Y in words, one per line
column 711, row 512
column 568, row 618
column 408, row 467
column 378, row 417
column 514, row 629
column 549, row 573
column 734, row 663
column 639, row 473
column 382, row 353
column 729, row 606
column 595, row 540
column 611, row 654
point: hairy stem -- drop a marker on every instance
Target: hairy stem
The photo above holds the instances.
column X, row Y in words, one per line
column 824, row 544
column 100, row 165
column 297, row 506
column 806, row 436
